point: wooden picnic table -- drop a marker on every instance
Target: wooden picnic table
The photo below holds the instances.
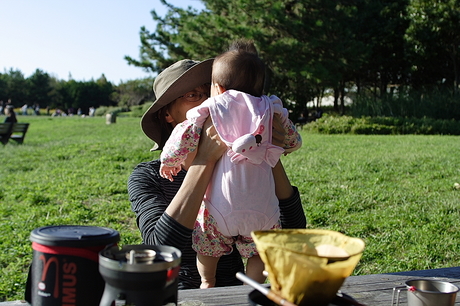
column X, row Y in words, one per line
column 371, row 290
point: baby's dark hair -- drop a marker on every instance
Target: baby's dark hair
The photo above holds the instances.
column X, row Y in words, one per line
column 240, row 68
column 243, row 45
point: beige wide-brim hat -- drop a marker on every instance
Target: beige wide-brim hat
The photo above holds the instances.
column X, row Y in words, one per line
column 171, row 83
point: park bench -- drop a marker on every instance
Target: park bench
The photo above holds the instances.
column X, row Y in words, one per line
column 5, row 131
column 15, row 131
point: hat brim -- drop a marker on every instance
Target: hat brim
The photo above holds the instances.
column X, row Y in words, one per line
column 190, row 79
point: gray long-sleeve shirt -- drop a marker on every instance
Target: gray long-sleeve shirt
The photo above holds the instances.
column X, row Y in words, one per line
column 150, row 195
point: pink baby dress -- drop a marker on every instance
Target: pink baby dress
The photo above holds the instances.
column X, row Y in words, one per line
column 241, row 196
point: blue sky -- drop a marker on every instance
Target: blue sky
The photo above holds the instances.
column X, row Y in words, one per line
column 84, row 38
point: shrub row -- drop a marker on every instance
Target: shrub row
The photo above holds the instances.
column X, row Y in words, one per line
column 383, row 126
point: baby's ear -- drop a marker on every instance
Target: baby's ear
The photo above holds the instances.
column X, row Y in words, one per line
column 220, row 89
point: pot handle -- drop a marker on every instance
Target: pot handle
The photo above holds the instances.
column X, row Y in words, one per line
column 398, row 290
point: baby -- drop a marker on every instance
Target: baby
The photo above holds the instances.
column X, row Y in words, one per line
column 241, row 196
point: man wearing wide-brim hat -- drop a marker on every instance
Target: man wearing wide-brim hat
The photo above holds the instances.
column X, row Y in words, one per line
column 166, row 211
column 177, row 79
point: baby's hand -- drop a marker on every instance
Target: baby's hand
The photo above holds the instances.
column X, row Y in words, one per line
column 168, row 172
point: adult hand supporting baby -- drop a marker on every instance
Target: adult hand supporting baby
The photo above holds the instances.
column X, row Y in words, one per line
column 185, row 205
column 211, row 147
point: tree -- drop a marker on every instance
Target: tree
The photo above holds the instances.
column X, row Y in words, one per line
column 164, row 46
column 86, row 94
column 306, row 44
column 314, row 47
column 3, row 87
column 17, row 87
column 435, row 41
column 57, row 94
column 134, row 92
column 39, row 88
column 105, row 90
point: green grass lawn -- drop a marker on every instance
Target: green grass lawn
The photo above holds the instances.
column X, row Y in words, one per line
column 395, row 192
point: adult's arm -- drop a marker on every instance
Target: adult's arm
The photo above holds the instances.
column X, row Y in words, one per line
column 185, row 205
column 292, row 214
column 291, row 210
column 168, row 209
column 150, row 195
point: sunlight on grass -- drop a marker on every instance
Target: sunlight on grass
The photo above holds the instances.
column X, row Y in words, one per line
column 395, row 192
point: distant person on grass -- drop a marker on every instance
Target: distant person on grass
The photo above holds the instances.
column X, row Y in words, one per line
column 10, row 118
column 241, row 197
column 10, row 114
column 166, row 211
column 24, row 109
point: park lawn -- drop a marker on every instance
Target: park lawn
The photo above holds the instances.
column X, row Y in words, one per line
column 395, row 192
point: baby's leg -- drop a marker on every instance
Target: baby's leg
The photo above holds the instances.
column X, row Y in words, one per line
column 255, row 268
column 207, row 267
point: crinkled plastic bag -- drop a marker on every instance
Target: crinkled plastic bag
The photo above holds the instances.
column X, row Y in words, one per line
column 307, row 267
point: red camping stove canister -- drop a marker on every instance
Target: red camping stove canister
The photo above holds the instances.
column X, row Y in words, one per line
column 65, row 265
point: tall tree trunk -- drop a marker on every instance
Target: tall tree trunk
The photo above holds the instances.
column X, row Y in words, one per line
column 342, row 98
column 336, row 98
column 454, row 62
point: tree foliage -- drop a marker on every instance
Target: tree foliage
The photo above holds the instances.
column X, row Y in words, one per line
column 376, row 49
column 39, row 86
column 435, row 40
column 16, row 86
column 392, row 57
column 133, row 92
column 48, row 92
